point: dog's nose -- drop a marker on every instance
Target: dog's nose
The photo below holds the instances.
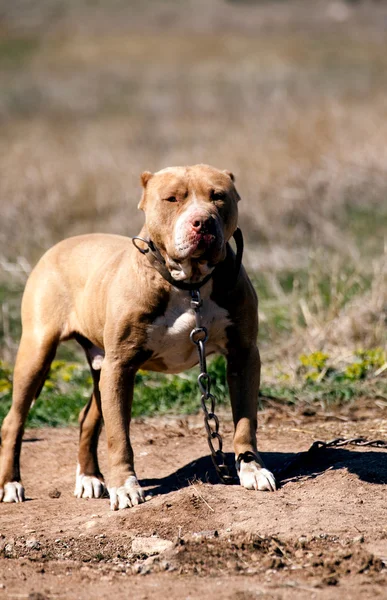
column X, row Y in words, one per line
column 203, row 225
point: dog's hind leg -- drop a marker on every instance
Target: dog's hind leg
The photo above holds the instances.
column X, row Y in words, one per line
column 33, row 361
column 89, row 479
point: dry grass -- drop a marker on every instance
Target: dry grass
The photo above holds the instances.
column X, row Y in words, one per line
column 291, row 99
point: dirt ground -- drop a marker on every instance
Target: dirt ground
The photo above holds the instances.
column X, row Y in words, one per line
column 323, row 534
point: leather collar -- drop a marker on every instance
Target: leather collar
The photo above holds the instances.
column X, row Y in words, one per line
column 157, row 261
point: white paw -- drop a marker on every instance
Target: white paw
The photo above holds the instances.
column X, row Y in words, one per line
column 87, row 486
column 12, row 492
column 254, row 477
column 127, row 495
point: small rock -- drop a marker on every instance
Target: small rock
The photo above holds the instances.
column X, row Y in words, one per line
column 32, row 544
column 2, row 586
column 54, row 493
column 136, row 569
column 205, row 534
column 145, row 570
column 8, row 549
column 359, row 539
column 150, row 545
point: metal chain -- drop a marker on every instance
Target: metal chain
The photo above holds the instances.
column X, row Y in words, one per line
column 304, row 457
column 338, row 442
column 199, row 337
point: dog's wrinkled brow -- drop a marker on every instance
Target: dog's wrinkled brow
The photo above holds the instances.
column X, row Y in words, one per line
column 178, row 189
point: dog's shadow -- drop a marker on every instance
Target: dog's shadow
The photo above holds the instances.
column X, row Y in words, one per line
column 369, row 466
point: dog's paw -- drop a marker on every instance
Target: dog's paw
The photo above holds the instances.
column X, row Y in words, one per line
column 126, row 495
column 87, row 486
column 254, row 477
column 12, row 492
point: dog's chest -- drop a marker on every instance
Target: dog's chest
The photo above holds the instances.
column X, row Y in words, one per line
column 169, row 335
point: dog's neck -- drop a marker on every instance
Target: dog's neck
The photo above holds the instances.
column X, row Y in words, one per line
column 177, row 273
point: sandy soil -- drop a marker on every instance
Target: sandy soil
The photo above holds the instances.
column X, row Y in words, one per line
column 322, row 535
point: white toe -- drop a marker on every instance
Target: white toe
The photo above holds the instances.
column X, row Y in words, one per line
column 98, row 487
column 12, row 492
column 87, row 486
column 123, row 499
column 113, row 498
column 254, row 477
column 266, row 481
column 126, row 495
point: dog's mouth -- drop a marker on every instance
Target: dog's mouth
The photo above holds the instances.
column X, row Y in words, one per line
column 196, row 261
column 202, row 245
column 193, row 252
column 194, row 246
column 190, row 270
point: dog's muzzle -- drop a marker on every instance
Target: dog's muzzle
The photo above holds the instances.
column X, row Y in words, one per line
column 196, row 237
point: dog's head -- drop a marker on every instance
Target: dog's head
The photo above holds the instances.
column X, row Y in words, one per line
column 191, row 213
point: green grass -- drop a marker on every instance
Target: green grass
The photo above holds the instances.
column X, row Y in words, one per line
column 324, row 395
column 16, row 51
column 361, row 221
column 317, row 382
column 321, row 380
column 69, row 385
column 327, row 285
column 10, row 298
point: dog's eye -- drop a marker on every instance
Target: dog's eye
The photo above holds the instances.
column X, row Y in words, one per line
column 217, row 195
column 171, row 199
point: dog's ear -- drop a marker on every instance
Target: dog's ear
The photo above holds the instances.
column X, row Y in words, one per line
column 145, row 177
column 231, row 175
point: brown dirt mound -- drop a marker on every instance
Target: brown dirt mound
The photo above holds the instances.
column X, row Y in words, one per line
column 323, row 534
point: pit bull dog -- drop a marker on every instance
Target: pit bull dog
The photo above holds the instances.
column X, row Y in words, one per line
column 127, row 310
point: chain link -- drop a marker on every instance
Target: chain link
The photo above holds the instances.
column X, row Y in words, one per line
column 338, row 442
column 304, row 457
column 199, row 337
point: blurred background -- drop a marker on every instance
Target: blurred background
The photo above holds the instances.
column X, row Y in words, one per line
column 290, row 95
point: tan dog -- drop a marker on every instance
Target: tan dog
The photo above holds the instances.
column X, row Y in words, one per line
column 101, row 291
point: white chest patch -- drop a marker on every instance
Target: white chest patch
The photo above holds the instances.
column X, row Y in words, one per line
column 168, row 336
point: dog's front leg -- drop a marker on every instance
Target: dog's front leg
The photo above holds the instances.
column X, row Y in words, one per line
column 116, row 386
column 243, row 375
